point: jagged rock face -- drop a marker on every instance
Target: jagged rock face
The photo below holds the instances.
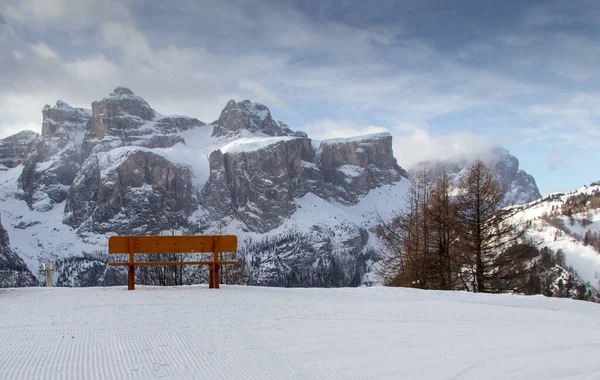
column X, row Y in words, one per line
column 131, row 192
column 121, row 111
column 215, row 197
column 55, row 159
column 64, row 120
column 16, row 148
column 352, row 167
column 174, row 124
column 13, row 271
column 124, row 119
column 250, row 116
column 259, row 186
column 519, row 185
column 46, row 183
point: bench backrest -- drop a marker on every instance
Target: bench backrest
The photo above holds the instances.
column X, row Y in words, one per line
column 172, row 244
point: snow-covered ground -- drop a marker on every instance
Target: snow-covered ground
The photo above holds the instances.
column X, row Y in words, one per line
column 273, row 333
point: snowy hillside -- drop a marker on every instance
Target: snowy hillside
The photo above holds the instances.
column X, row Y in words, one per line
column 562, row 221
column 272, row 333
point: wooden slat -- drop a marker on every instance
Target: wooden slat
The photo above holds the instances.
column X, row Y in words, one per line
column 157, row 263
column 173, row 244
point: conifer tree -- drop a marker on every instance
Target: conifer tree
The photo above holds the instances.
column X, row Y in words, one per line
column 484, row 227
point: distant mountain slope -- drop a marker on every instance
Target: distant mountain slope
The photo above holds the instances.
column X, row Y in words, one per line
column 519, row 185
column 569, row 222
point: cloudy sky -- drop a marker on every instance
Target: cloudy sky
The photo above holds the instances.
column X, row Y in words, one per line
column 445, row 77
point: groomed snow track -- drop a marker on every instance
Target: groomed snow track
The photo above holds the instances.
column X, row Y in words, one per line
column 270, row 333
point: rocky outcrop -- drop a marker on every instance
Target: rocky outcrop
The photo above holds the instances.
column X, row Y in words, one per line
column 520, row 186
column 64, row 121
column 13, row 271
column 118, row 113
column 45, row 182
column 352, row 167
column 177, row 123
column 125, row 119
column 253, row 117
column 16, row 148
column 55, row 159
column 215, row 197
column 258, row 184
column 129, row 191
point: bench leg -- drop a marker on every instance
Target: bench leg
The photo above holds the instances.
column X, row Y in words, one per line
column 213, row 276
column 131, row 271
column 216, row 276
column 131, row 278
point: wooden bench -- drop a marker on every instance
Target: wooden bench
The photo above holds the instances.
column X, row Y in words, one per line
column 173, row 244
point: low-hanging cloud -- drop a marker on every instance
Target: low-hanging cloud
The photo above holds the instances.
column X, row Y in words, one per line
column 414, row 144
column 411, row 143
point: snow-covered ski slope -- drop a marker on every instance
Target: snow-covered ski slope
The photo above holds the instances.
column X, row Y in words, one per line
column 273, row 333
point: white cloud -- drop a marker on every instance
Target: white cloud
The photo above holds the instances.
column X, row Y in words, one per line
column 555, row 160
column 70, row 15
column 44, row 52
column 414, row 144
column 261, row 94
column 128, row 39
column 16, row 111
column 411, row 143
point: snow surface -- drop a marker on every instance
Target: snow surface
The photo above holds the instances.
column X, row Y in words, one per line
column 373, row 136
column 250, row 144
column 272, row 333
column 351, row 170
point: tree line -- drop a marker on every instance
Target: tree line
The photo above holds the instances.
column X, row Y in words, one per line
column 458, row 237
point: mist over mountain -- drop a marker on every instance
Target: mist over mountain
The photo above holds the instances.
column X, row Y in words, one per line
column 520, row 186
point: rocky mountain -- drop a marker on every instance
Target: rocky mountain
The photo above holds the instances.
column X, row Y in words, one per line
column 13, row 271
column 519, row 185
column 248, row 116
column 303, row 210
